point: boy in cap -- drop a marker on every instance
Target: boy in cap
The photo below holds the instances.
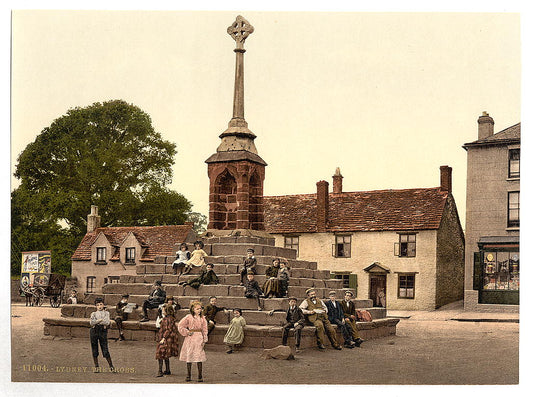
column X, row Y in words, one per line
column 100, row 322
column 120, row 315
column 316, row 312
column 295, row 319
column 252, row 289
column 248, row 265
column 348, row 308
column 156, row 297
column 210, row 312
column 336, row 316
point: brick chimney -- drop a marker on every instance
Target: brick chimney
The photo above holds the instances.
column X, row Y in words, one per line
column 485, row 126
column 446, row 178
column 322, row 205
column 93, row 219
column 337, row 181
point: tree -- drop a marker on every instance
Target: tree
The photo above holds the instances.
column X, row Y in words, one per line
column 199, row 220
column 107, row 154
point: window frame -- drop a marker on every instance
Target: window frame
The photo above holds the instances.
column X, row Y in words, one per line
column 113, row 279
column 407, row 287
column 513, row 222
column 337, row 243
column 292, row 244
column 398, row 246
column 129, row 260
column 90, row 287
column 511, row 160
column 101, row 259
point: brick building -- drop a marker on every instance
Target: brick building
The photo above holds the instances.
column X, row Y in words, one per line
column 106, row 253
column 405, row 243
column 492, row 260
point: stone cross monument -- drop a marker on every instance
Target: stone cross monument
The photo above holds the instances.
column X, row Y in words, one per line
column 236, row 171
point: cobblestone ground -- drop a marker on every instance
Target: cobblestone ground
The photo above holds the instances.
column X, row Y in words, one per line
column 428, row 349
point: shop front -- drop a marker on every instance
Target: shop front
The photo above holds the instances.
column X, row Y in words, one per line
column 497, row 270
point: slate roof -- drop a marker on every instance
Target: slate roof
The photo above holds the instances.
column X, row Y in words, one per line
column 377, row 210
column 159, row 240
column 508, row 135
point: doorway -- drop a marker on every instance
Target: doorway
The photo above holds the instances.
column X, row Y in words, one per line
column 378, row 289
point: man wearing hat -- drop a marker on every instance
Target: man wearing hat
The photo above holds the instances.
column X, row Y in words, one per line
column 295, row 319
column 348, row 308
column 336, row 316
column 316, row 312
column 156, row 297
column 248, row 265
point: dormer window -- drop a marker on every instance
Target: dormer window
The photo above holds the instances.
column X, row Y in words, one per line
column 130, row 255
column 101, row 255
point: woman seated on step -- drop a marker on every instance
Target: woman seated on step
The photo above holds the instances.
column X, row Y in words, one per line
column 271, row 285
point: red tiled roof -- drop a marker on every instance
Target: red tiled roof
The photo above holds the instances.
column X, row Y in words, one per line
column 159, row 240
column 377, row 210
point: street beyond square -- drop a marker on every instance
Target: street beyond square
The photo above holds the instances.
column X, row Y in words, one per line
column 429, row 348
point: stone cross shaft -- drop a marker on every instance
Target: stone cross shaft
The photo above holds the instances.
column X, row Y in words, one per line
column 239, row 31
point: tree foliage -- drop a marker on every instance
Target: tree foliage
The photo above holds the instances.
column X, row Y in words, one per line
column 107, row 154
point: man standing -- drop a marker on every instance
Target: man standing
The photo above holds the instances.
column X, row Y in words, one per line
column 336, row 316
column 156, row 297
column 316, row 312
column 295, row 319
column 348, row 308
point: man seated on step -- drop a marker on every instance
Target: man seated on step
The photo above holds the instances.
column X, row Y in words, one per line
column 252, row 289
column 316, row 312
column 295, row 319
column 156, row 297
column 210, row 312
column 207, row 277
column 336, row 316
column 348, row 308
column 248, row 264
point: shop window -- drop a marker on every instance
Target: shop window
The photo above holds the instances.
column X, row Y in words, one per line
column 292, row 242
column 406, row 247
column 406, row 286
column 342, row 247
column 501, row 270
column 514, row 163
column 513, row 209
column 91, row 281
column 100, row 255
column 130, row 255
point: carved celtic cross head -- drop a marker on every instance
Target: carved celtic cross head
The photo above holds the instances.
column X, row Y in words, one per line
column 240, row 30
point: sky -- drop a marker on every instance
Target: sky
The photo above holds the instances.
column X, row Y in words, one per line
column 387, row 97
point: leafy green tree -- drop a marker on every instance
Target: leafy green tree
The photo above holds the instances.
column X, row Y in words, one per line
column 107, row 154
column 199, row 220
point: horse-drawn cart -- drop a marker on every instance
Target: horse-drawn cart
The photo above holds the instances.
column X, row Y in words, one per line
column 44, row 286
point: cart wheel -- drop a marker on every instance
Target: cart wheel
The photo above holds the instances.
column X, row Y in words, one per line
column 55, row 301
column 37, row 297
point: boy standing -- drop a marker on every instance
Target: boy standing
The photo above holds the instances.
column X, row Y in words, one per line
column 248, row 265
column 295, row 319
column 100, row 322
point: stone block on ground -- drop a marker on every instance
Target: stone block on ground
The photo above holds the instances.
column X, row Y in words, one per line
column 279, row 352
column 67, row 310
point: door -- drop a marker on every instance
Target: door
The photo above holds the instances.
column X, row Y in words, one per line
column 378, row 289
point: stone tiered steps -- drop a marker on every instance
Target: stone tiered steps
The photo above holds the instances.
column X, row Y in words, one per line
column 226, row 253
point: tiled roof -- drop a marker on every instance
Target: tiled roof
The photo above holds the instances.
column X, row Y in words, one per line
column 377, row 210
column 509, row 134
column 159, row 240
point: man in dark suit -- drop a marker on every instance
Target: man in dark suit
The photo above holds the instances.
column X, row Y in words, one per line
column 350, row 317
column 295, row 319
column 336, row 316
column 156, row 297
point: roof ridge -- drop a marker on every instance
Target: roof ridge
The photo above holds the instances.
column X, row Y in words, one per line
column 360, row 191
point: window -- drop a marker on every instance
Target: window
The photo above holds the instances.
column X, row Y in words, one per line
column 91, row 281
column 292, row 242
column 130, row 255
column 513, row 209
column 501, row 270
column 100, row 254
column 349, row 280
column 514, row 163
column 342, row 247
column 113, row 279
column 406, row 286
column 406, row 247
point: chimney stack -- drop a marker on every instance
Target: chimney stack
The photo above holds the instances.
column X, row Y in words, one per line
column 322, row 205
column 446, row 178
column 93, row 219
column 485, row 126
column 337, row 181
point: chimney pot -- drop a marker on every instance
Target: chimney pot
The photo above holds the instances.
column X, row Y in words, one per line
column 485, row 126
column 93, row 219
column 337, row 181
